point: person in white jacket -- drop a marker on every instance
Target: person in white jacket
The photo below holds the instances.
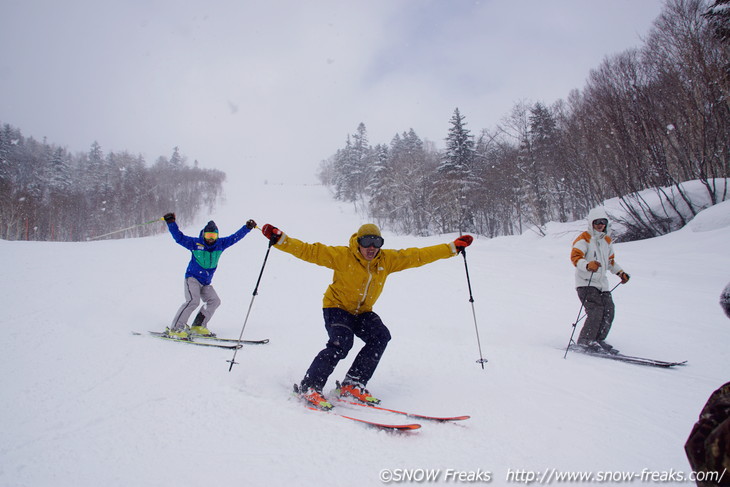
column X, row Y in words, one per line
column 593, row 257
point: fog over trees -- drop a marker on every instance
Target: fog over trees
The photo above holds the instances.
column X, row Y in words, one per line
column 650, row 117
column 47, row 193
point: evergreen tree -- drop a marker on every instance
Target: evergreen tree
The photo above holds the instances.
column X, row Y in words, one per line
column 542, row 174
column 718, row 14
column 343, row 167
column 361, row 160
column 49, row 194
column 457, row 180
column 60, row 172
column 176, row 160
column 353, row 168
column 381, row 187
column 459, row 156
column 412, row 175
column 8, row 139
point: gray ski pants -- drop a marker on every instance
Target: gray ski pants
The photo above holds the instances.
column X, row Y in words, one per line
column 194, row 292
column 600, row 310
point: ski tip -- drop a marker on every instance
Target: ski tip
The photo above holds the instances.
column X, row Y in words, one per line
column 384, row 426
column 398, row 427
column 459, row 418
column 438, row 419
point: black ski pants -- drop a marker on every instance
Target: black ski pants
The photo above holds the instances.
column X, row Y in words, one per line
column 342, row 327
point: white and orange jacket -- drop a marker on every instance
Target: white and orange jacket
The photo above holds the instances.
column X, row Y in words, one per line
column 593, row 245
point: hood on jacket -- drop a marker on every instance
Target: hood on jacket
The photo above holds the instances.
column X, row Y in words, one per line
column 595, row 214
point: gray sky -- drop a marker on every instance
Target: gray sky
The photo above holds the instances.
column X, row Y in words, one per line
column 269, row 88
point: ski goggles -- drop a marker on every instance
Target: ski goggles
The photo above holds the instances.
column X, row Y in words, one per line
column 371, row 241
column 600, row 221
column 210, row 236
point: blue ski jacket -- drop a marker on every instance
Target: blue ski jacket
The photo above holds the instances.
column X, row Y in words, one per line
column 204, row 260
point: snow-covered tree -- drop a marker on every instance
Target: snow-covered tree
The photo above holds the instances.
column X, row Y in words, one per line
column 718, row 14
column 50, row 194
column 457, row 180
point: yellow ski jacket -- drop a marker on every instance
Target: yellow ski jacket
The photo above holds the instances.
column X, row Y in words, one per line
column 357, row 283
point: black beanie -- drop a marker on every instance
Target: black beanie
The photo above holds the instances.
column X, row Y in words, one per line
column 210, row 227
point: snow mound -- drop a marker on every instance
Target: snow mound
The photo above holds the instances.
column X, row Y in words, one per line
column 712, row 218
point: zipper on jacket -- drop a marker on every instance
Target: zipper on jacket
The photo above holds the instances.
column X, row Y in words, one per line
column 367, row 288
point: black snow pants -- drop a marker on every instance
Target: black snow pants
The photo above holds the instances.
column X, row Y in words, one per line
column 342, row 327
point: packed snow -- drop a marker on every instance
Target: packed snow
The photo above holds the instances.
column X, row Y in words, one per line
column 86, row 403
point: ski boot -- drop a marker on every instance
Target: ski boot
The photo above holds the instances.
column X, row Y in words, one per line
column 177, row 334
column 313, row 398
column 197, row 327
column 357, row 392
column 607, row 347
column 201, row 331
column 590, row 346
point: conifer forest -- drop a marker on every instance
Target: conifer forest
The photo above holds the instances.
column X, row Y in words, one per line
column 648, row 118
column 47, row 193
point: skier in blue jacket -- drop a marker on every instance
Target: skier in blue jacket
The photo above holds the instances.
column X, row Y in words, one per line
column 206, row 250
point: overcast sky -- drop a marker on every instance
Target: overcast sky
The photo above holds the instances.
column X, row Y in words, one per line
column 269, row 88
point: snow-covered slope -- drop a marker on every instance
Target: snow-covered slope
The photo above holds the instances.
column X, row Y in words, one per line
column 86, row 403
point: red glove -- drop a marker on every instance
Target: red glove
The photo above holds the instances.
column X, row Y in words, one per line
column 272, row 233
column 593, row 265
column 463, row 242
column 624, row 277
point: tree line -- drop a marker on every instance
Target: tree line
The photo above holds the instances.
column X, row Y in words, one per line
column 48, row 193
column 649, row 117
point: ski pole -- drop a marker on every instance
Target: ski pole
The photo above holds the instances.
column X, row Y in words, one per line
column 582, row 303
column 255, row 292
column 125, row 229
column 481, row 360
column 586, row 314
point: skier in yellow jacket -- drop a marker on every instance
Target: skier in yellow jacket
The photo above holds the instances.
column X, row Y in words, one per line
column 360, row 271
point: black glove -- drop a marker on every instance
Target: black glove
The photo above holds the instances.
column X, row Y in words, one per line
column 624, row 277
column 169, row 217
column 250, row 224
